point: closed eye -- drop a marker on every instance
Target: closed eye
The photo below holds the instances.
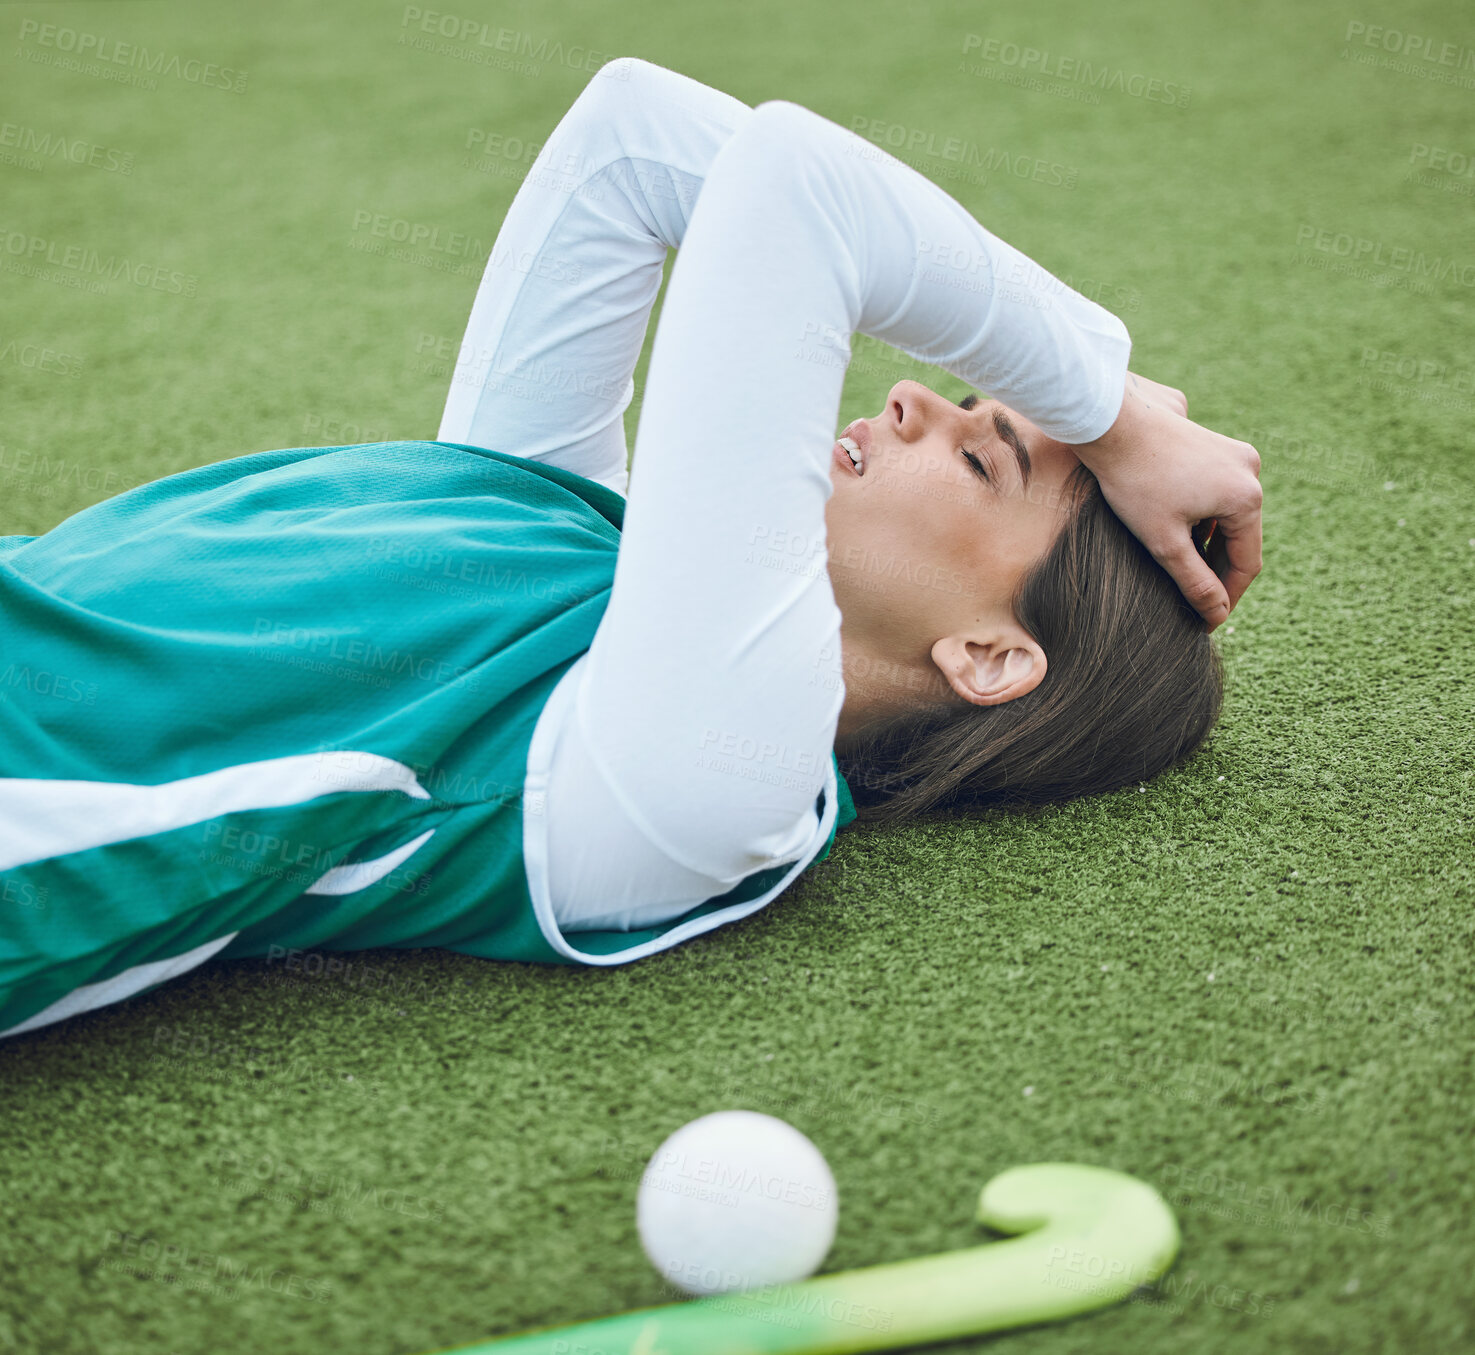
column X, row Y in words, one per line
column 967, row 402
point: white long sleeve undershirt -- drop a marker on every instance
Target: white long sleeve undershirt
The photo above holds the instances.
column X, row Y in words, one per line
column 693, row 738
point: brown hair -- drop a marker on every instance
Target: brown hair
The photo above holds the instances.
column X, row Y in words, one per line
column 1132, row 686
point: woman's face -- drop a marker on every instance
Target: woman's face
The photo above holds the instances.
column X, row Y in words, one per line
column 925, row 553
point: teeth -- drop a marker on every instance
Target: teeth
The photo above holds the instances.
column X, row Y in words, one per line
column 854, row 451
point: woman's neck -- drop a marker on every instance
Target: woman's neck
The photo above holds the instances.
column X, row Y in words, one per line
column 879, row 686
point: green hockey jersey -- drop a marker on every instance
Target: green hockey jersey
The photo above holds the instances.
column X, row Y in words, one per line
column 288, row 700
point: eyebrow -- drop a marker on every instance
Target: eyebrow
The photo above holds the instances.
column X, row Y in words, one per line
column 1009, row 433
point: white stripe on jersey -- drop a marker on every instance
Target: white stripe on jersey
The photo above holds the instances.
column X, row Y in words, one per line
column 122, row 985
column 357, row 875
column 40, row 819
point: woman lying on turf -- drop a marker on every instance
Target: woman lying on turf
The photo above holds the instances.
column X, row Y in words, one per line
column 461, row 694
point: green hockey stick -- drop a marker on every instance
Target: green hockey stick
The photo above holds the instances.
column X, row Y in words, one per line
column 1087, row 1237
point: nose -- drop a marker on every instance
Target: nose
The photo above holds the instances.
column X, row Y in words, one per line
column 912, row 410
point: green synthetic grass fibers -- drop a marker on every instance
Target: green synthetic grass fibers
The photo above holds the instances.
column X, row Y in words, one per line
column 1247, row 983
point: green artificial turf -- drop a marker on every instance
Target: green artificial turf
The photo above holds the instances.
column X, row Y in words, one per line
column 1248, row 982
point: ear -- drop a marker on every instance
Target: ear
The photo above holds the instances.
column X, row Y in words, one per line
column 989, row 668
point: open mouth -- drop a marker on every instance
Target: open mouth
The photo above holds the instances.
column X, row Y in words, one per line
column 852, row 445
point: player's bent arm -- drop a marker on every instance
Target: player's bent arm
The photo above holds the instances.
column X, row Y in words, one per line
column 710, row 695
column 546, row 368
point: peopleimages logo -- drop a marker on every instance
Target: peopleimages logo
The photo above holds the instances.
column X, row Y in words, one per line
column 71, row 45
column 742, row 1179
column 190, row 1268
column 37, row 253
column 532, row 52
column 1072, row 70
column 1358, row 249
column 46, row 145
column 920, row 141
column 1401, row 43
